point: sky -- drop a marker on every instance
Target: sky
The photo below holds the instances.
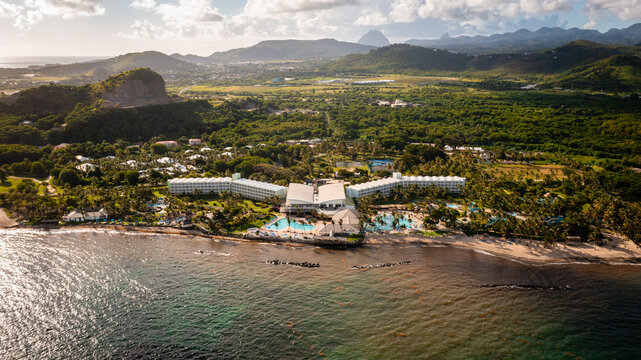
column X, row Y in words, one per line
column 113, row 27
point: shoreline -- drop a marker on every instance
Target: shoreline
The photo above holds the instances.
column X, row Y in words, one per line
column 619, row 251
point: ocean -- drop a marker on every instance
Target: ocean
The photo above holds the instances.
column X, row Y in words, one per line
column 79, row 294
column 26, row 61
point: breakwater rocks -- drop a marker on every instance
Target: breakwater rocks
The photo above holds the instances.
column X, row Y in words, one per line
column 527, row 287
column 304, row 264
column 377, row 266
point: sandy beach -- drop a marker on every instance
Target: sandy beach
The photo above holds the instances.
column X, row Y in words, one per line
column 5, row 221
column 617, row 251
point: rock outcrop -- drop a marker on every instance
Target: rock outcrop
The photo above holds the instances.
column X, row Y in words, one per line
column 138, row 87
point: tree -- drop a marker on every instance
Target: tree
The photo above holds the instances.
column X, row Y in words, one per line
column 69, row 176
column 3, row 175
column 132, row 177
column 38, row 170
column 159, row 149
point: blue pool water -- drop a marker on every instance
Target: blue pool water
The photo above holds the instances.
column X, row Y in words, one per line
column 378, row 162
column 387, row 221
column 283, row 224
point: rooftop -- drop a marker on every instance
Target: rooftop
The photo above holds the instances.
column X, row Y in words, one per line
column 331, row 192
column 300, row 193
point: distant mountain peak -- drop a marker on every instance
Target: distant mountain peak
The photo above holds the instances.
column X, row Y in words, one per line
column 374, row 38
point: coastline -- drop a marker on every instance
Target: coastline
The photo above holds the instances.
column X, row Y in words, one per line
column 618, row 251
column 5, row 220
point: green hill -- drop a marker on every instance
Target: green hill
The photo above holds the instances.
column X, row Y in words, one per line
column 406, row 58
column 132, row 88
column 290, row 50
column 101, row 69
column 616, row 73
column 401, row 58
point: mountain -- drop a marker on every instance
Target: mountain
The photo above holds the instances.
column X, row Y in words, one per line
column 279, row 50
column 400, row 57
column 407, row 58
column 616, row 73
column 530, row 41
column 374, row 38
column 101, row 69
column 133, row 88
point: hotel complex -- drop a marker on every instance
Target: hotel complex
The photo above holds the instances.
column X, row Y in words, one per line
column 300, row 198
column 251, row 189
column 385, row 186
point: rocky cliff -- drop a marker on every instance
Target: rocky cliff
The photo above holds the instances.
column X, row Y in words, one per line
column 138, row 87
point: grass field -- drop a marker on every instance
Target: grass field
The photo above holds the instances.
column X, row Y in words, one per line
column 523, row 172
column 11, row 182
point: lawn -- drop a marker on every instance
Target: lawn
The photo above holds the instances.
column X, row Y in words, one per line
column 535, row 172
column 9, row 184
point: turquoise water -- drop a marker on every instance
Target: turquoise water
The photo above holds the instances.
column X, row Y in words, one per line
column 283, row 224
column 387, row 221
column 95, row 294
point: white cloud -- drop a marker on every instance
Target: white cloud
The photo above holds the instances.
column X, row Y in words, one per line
column 30, row 12
column 8, row 10
column 623, row 9
column 143, row 4
column 182, row 18
column 372, row 19
column 144, row 29
column 260, row 8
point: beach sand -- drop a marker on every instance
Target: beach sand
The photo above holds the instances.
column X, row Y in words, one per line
column 617, row 251
column 5, row 221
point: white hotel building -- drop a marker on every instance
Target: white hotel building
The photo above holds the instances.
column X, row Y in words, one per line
column 250, row 189
column 385, row 186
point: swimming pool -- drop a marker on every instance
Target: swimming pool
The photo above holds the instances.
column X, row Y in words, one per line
column 384, row 223
column 283, row 224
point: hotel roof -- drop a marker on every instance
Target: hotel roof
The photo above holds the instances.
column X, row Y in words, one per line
column 199, row 180
column 375, row 183
column 259, row 184
column 300, row 193
column 331, row 192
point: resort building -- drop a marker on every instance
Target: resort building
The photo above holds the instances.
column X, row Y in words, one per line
column 250, row 189
column 194, row 142
column 300, row 198
column 384, row 186
column 331, row 196
column 90, row 215
column 344, row 222
column 184, row 186
column 303, row 198
column 257, row 190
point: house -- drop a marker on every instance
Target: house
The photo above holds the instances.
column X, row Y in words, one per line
column 101, row 214
column 168, row 144
column 82, row 158
column 91, row 215
column 74, row 216
column 194, row 142
column 61, row 146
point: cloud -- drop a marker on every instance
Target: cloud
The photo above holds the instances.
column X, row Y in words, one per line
column 8, row 10
column 623, row 9
column 30, row 12
column 372, row 19
column 144, row 29
column 143, row 4
column 181, row 18
column 268, row 7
